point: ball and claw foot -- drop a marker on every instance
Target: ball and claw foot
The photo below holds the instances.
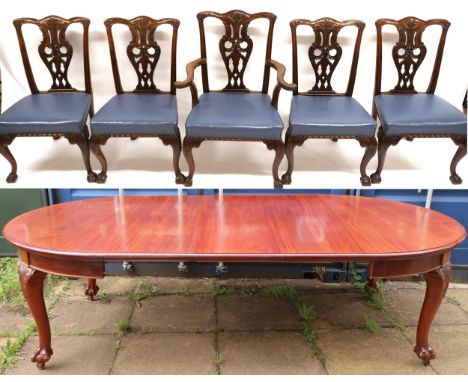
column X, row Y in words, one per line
column 180, row 179
column 101, row 178
column 11, row 178
column 375, row 178
column 425, row 353
column 455, row 179
column 366, row 181
column 41, row 356
column 188, row 182
column 92, row 177
column 286, row 179
column 91, row 292
column 278, row 184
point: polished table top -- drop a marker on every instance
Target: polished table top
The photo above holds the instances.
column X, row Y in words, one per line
column 235, row 228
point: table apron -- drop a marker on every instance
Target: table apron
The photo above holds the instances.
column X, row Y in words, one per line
column 407, row 267
column 65, row 266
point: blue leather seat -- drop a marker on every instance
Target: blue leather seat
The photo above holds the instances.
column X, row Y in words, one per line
column 48, row 113
column 234, row 116
column 329, row 116
column 419, row 114
column 137, row 113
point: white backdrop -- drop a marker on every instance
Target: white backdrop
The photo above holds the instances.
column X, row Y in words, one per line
column 452, row 84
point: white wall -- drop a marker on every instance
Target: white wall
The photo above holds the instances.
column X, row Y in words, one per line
column 452, row 81
column 148, row 163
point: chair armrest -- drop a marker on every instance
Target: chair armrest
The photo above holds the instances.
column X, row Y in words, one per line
column 188, row 82
column 281, row 70
column 280, row 81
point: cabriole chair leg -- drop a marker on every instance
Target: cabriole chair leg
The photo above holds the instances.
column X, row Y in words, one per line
column 188, row 146
column 95, row 146
column 384, row 143
column 174, row 142
column 459, row 154
column 83, row 144
column 5, row 151
column 291, row 143
column 370, row 143
column 279, row 148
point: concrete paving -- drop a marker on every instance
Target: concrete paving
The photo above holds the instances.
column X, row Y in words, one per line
column 187, row 328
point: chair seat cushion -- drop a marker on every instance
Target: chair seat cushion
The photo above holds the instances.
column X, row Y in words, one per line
column 329, row 116
column 48, row 113
column 234, row 116
column 419, row 114
column 137, row 113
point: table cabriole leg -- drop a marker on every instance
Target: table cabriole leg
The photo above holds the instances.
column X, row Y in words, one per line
column 437, row 283
column 92, row 289
column 32, row 284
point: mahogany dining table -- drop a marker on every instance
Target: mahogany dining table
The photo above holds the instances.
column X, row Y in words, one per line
column 88, row 238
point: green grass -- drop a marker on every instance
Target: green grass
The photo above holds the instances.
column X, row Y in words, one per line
column 395, row 323
column 452, row 300
column 217, row 290
column 10, row 287
column 122, row 327
column 142, row 291
column 184, row 292
column 370, row 326
column 307, row 312
column 311, row 336
column 218, row 360
column 282, row 291
column 377, row 299
column 102, row 294
column 10, row 353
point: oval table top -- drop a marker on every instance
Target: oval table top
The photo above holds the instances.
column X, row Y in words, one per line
column 235, row 228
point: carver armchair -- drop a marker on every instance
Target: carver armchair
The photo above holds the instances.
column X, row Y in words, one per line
column 61, row 111
column 403, row 112
column 146, row 111
column 235, row 113
column 321, row 112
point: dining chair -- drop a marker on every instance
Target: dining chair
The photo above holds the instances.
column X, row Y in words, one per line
column 145, row 111
column 321, row 112
column 235, row 113
column 403, row 112
column 61, row 111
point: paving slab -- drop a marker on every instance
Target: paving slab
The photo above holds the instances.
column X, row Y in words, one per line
column 72, row 355
column 300, row 284
column 175, row 313
column 12, row 320
column 405, row 306
column 267, row 353
column 174, row 284
column 71, row 316
column 342, row 309
column 353, row 351
column 166, row 353
column 451, row 346
column 461, row 295
column 256, row 312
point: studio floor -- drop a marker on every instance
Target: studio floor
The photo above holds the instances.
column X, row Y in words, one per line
column 197, row 326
